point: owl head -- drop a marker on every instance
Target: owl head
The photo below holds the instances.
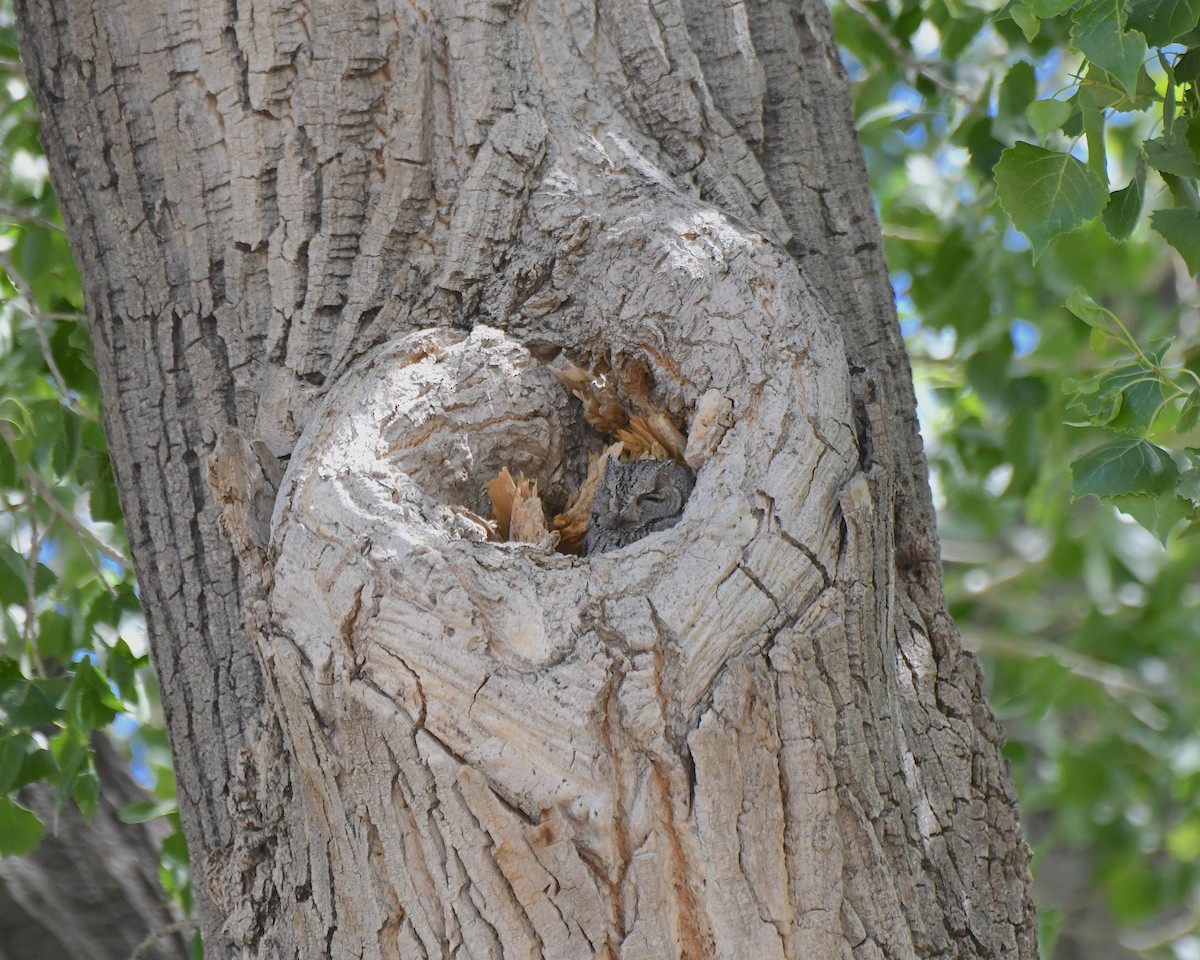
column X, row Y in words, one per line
column 635, row 499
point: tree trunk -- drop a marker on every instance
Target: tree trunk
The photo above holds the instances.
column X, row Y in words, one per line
column 325, row 237
column 91, row 889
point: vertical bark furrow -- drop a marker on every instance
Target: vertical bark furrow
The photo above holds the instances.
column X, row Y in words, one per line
column 720, row 34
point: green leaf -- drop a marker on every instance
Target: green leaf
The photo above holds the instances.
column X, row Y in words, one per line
column 1089, row 311
column 20, row 829
column 1125, row 466
column 1016, row 93
column 1127, row 398
column 12, row 576
column 85, row 791
column 1093, row 129
column 1162, row 21
column 12, row 758
column 66, row 445
column 76, row 775
column 1172, row 154
column 121, row 669
column 1048, row 9
column 1091, row 408
column 1026, row 19
column 55, row 636
column 1046, row 116
column 1125, row 205
column 1189, row 481
column 1141, row 393
column 1189, row 413
column 8, row 468
column 31, row 703
column 89, row 701
column 1187, row 67
column 1191, row 136
column 1159, row 514
column 1181, row 228
column 1169, row 95
column 103, row 502
column 1046, row 193
column 1099, row 34
column 38, row 767
column 147, row 810
column 982, row 144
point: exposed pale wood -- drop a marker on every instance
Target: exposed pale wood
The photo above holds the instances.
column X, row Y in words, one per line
column 320, row 234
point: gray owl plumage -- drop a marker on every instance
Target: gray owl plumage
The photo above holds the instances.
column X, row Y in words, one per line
column 635, row 499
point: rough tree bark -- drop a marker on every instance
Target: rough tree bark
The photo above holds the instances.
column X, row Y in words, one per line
column 317, row 236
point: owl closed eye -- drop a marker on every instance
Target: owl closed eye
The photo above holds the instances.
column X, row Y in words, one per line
column 635, row 499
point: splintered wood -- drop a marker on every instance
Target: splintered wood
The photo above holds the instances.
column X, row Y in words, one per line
column 517, row 508
column 652, row 435
column 518, row 513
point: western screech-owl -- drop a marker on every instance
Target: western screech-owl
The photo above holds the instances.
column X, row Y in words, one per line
column 635, row 499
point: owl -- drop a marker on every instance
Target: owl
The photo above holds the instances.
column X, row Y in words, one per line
column 635, row 499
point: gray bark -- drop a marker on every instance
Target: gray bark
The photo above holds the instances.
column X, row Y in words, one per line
column 91, row 889
column 318, row 236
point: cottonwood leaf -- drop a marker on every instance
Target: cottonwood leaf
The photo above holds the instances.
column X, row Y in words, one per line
column 1187, row 67
column 1126, row 399
column 1191, row 136
column 1093, row 129
column 146, row 810
column 89, row 700
column 1189, row 481
column 1181, row 229
column 1046, row 116
column 1141, row 397
column 20, row 829
column 1025, row 18
column 85, row 791
column 12, row 758
column 1172, row 155
column 1099, row 34
column 1162, row 21
column 31, row 703
column 1016, row 92
column 1160, row 514
column 1125, row 205
column 1046, row 9
column 1047, row 193
column 1089, row 311
column 1093, row 411
column 1121, row 467
column 1109, row 96
column 1189, row 413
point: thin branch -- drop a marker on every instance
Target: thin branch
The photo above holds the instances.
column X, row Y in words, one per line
column 900, row 232
column 1119, row 682
column 20, row 216
column 906, row 58
column 65, row 515
column 181, row 927
column 39, row 321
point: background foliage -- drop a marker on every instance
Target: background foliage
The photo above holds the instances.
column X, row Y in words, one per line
column 1057, row 362
column 1035, row 166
